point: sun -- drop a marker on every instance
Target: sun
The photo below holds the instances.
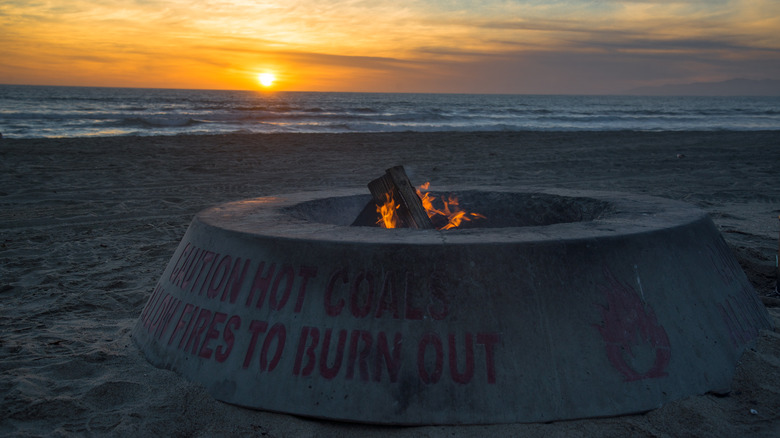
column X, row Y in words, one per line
column 266, row 79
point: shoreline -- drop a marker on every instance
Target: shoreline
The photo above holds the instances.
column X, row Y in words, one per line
column 88, row 225
column 380, row 133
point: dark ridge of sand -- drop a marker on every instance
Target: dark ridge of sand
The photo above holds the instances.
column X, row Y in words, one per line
column 87, row 226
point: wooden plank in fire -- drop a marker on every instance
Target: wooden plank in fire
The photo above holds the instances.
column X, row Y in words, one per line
column 411, row 213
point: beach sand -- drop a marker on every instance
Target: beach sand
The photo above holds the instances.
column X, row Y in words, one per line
column 87, row 226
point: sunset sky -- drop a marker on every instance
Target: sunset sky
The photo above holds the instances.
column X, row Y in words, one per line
column 461, row 46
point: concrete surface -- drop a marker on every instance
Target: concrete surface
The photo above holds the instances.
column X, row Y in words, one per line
column 560, row 305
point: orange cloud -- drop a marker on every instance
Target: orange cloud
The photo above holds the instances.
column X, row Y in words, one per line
column 395, row 45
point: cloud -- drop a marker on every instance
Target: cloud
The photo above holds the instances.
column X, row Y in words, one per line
column 434, row 45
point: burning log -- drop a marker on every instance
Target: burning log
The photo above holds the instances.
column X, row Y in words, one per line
column 397, row 202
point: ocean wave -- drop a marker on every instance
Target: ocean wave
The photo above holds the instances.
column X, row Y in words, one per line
column 53, row 111
column 160, row 122
column 364, row 110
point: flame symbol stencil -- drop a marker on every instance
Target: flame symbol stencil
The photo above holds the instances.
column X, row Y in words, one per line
column 636, row 345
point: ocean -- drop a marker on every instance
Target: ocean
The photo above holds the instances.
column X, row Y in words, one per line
column 45, row 111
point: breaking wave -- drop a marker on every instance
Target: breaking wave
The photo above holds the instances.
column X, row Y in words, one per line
column 35, row 111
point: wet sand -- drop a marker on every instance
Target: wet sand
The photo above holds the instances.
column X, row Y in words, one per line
column 87, row 226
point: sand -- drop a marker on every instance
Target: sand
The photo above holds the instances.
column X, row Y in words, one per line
column 87, row 226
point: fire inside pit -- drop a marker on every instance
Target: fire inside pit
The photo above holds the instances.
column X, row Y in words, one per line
column 398, row 205
column 556, row 305
column 445, row 217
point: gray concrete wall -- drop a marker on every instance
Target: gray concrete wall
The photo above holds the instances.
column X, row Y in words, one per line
column 515, row 324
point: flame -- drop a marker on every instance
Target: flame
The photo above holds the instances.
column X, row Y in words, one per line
column 387, row 216
column 451, row 211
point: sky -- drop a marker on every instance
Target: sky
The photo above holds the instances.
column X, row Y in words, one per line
column 456, row 46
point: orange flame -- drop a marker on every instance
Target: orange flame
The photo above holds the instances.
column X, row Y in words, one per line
column 387, row 216
column 455, row 216
column 451, row 211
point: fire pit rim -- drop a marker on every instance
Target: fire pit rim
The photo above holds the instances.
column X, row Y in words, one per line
column 547, row 315
column 629, row 214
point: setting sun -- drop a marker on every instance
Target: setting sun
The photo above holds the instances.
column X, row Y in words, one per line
column 388, row 46
column 266, row 79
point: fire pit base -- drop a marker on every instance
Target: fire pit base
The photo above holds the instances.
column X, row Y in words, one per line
column 560, row 305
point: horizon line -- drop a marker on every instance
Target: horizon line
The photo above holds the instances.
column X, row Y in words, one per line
column 616, row 93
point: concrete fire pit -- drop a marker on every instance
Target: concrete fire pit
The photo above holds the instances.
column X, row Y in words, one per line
column 559, row 305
